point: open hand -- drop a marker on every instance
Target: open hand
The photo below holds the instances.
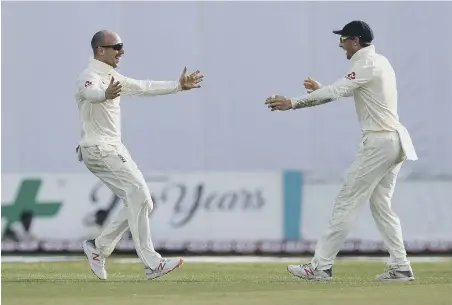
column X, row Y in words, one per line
column 113, row 90
column 311, row 85
column 278, row 102
column 190, row 81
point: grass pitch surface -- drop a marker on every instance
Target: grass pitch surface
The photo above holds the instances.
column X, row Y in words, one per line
column 72, row 283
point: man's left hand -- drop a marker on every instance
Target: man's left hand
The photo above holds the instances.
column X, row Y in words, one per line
column 278, row 102
column 190, row 81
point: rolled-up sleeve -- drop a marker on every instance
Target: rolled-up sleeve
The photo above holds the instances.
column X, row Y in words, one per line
column 360, row 74
column 90, row 89
column 136, row 87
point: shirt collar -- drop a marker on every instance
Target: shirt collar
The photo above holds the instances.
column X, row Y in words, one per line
column 362, row 53
column 100, row 67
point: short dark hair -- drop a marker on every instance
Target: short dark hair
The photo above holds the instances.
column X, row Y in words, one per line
column 363, row 43
column 97, row 40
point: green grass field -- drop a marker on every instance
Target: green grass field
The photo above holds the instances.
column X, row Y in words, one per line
column 72, row 283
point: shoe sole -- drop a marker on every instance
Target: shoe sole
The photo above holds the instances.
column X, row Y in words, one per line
column 316, row 279
column 85, row 250
column 181, row 262
column 410, row 279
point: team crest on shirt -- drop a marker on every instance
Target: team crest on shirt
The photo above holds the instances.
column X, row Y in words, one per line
column 88, row 84
column 351, row 76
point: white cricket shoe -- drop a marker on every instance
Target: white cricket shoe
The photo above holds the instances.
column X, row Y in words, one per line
column 165, row 266
column 308, row 273
column 396, row 275
column 95, row 259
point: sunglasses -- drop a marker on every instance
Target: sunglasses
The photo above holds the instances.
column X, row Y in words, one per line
column 116, row 47
column 344, row 38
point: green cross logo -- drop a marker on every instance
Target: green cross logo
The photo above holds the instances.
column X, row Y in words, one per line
column 26, row 201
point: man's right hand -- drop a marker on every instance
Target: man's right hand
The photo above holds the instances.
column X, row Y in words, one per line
column 113, row 90
column 311, row 85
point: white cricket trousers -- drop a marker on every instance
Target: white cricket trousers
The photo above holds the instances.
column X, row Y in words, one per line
column 114, row 166
column 370, row 178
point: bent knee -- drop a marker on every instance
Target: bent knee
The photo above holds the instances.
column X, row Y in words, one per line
column 140, row 195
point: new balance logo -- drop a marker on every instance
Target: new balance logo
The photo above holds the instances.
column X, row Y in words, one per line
column 96, row 257
column 159, row 269
column 161, row 266
column 309, row 271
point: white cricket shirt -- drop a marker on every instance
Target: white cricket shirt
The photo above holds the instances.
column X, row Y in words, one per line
column 101, row 118
column 372, row 82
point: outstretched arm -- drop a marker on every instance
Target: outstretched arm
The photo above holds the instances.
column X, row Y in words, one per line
column 135, row 87
column 359, row 75
column 313, row 85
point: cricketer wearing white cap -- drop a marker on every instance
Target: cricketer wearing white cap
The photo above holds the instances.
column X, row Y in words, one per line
column 385, row 145
column 99, row 88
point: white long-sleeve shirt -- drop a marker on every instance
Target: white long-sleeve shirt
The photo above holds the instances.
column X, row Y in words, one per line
column 101, row 118
column 372, row 82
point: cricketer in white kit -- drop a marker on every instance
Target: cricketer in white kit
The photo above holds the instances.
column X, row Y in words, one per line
column 99, row 88
column 385, row 145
